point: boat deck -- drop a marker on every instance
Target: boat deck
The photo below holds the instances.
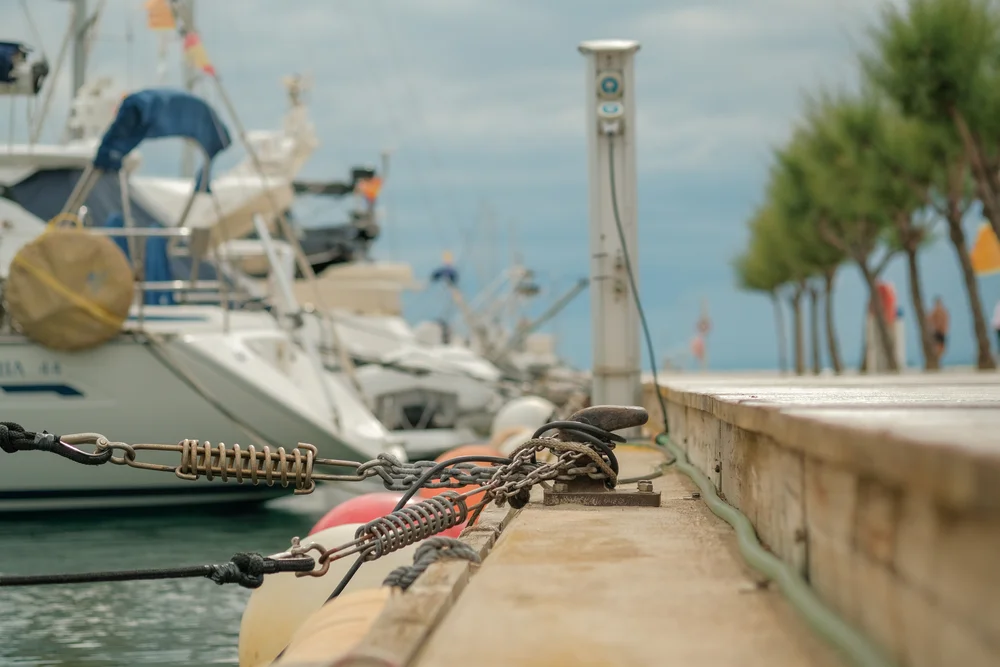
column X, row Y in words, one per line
column 882, row 493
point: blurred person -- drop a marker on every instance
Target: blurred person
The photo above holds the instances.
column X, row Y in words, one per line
column 996, row 323
column 939, row 322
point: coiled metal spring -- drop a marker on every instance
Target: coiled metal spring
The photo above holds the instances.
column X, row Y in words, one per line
column 396, row 530
column 411, row 524
column 281, row 467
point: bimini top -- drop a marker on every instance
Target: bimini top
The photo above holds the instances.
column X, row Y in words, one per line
column 157, row 113
column 10, row 52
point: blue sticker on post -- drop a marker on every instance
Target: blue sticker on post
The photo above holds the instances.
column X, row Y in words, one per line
column 610, row 109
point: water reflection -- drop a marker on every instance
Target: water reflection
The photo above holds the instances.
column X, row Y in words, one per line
column 173, row 622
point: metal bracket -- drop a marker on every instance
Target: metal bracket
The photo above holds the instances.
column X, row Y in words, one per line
column 594, row 493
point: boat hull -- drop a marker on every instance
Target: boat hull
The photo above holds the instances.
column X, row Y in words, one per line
column 127, row 392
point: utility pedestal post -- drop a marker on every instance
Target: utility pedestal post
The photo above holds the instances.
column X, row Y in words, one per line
column 610, row 103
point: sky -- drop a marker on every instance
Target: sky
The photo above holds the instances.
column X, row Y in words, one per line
column 482, row 105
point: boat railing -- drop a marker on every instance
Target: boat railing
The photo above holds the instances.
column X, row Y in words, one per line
column 182, row 291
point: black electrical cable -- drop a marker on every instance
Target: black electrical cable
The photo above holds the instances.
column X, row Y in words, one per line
column 430, row 472
column 245, row 569
column 427, row 475
column 631, row 280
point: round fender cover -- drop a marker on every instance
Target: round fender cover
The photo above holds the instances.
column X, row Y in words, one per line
column 70, row 289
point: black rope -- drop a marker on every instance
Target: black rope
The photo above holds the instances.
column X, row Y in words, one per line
column 14, row 438
column 429, row 552
column 245, row 569
column 601, row 439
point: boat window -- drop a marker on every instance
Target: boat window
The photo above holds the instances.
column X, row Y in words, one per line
column 45, row 192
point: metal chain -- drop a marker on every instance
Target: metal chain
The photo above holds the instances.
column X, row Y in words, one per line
column 510, row 482
column 296, row 467
column 573, row 460
column 505, row 483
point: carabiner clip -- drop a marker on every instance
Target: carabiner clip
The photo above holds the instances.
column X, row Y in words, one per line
column 66, row 447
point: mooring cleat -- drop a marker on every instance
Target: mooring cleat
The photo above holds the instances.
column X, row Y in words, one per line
column 587, row 491
column 608, row 417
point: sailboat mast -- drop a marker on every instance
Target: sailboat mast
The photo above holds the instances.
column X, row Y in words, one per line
column 80, row 27
column 185, row 11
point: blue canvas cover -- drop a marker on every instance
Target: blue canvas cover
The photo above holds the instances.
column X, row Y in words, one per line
column 157, row 261
column 8, row 52
column 158, row 113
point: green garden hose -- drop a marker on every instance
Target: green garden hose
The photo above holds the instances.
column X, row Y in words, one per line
column 854, row 645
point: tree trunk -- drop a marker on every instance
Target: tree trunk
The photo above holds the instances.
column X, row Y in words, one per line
column 863, row 366
column 799, row 343
column 817, row 363
column 985, row 183
column 780, row 333
column 885, row 340
column 919, row 314
column 831, row 330
column 957, row 235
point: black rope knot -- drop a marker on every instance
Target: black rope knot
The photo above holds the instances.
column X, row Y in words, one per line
column 430, row 551
column 13, row 438
column 248, row 569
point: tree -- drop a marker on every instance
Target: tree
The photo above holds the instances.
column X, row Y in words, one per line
column 836, row 156
column 944, row 97
column 903, row 184
column 939, row 60
column 789, row 191
column 952, row 198
column 763, row 267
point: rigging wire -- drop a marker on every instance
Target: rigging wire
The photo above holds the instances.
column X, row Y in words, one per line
column 387, row 110
column 416, row 107
column 33, row 28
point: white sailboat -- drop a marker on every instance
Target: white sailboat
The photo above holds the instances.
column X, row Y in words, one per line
column 236, row 376
column 410, row 384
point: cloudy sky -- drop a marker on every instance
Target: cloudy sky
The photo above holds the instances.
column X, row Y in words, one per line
column 482, row 104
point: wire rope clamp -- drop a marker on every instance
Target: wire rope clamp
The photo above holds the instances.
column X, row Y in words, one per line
column 584, row 490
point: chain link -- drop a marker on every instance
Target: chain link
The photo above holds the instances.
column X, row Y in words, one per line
column 509, row 482
column 296, row 467
column 573, row 460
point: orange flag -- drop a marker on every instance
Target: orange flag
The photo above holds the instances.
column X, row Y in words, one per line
column 159, row 16
column 196, row 54
column 369, row 188
column 985, row 253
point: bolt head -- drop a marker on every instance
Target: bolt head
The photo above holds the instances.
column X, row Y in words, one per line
column 560, row 487
column 645, row 485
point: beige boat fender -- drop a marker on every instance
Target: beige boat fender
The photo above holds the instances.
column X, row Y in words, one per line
column 517, row 438
column 277, row 609
column 499, row 438
column 69, row 289
column 339, row 626
column 525, row 411
column 512, row 439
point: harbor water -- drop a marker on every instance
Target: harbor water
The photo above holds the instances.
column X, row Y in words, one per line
column 185, row 622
